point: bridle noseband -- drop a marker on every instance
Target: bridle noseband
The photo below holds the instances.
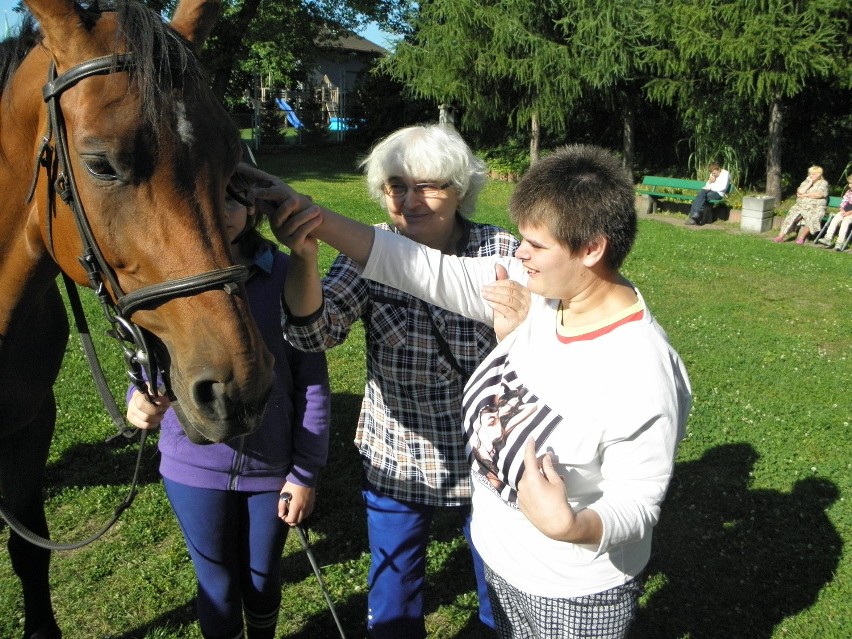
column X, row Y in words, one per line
column 140, row 358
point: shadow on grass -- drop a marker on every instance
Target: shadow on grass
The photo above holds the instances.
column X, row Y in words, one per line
column 351, row 615
column 178, row 617
column 732, row 561
column 108, row 463
column 728, row 560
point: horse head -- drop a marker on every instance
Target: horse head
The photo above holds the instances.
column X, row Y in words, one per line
column 148, row 154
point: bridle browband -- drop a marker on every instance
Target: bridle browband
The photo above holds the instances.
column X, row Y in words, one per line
column 141, row 359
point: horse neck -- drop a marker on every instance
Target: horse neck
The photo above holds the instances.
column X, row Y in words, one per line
column 26, row 268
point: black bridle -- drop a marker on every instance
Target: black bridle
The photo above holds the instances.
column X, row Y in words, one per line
column 140, row 359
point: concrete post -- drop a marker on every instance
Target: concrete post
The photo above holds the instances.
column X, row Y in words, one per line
column 757, row 213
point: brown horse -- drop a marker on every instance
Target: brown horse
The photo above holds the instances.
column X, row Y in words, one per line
column 106, row 113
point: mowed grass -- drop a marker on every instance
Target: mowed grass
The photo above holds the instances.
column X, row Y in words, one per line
column 754, row 536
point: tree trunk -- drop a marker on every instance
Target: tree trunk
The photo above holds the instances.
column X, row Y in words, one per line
column 773, row 151
column 219, row 83
column 535, row 138
column 230, row 47
column 629, row 134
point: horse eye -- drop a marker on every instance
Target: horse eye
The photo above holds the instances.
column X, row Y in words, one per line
column 100, row 168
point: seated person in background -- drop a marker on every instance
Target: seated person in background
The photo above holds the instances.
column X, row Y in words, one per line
column 843, row 218
column 714, row 189
column 811, row 198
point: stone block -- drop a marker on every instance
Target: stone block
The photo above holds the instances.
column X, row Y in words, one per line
column 755, row 224
column 644, row 204
column 757, row 213
column 760, row 203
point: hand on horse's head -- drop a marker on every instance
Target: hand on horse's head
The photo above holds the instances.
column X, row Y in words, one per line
column 292, row 215
column 270, row 195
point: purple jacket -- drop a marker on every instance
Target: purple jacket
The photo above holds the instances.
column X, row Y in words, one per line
column 291, row 443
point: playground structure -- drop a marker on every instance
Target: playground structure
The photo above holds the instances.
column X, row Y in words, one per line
column 332, row 103
column 305, row 109
column 327, row 99
column 292, row 119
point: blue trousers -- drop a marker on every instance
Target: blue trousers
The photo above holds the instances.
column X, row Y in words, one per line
column 398, row 535
column 700, row 202
column 235, row 540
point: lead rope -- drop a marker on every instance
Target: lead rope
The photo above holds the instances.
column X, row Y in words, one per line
column 94, row 363
column 24, row 532
column 111, row 406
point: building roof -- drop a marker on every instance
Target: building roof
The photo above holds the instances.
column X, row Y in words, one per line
column 350, row 41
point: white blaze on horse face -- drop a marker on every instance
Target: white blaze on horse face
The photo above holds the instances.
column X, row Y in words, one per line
column 183, row 126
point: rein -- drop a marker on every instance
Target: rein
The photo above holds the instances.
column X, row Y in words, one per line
column 140, row 359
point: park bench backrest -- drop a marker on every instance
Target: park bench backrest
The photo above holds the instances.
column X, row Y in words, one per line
column 679, row 183
column 655, row 186
column 672, row 183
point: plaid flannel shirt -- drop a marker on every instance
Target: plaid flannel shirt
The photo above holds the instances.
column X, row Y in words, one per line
column 409, row 431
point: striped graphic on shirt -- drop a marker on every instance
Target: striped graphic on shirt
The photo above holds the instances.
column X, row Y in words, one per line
column 500, row 414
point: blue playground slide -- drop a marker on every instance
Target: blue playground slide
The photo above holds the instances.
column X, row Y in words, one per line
column 292, row 118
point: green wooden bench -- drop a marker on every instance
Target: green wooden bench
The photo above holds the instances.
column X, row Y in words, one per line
column 831, row 207
column 665, row 188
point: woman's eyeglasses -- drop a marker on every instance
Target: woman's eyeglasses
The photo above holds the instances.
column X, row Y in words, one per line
column 399, row 190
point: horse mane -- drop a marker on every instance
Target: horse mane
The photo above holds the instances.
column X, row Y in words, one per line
column 14, row 48
column 163, row 60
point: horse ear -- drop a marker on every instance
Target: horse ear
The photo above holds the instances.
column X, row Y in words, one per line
column 59, row 21
column 194, row 19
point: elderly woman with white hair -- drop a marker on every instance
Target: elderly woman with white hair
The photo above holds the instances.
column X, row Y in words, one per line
column 811, row 198
column 419, row 357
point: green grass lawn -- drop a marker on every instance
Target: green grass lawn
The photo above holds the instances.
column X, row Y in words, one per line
column 754, row 537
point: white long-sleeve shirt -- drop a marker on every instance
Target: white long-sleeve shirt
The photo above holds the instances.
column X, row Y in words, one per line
column 610, row 404
column 720, row 184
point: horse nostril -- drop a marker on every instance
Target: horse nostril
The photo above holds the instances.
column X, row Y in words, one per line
column 211, row 396
column 203, row 392
column 223, row 411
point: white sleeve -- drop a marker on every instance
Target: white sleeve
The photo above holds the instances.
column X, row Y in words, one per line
column 638, row 449
column 721, row 183
column 636, row 475
column 447, row 281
